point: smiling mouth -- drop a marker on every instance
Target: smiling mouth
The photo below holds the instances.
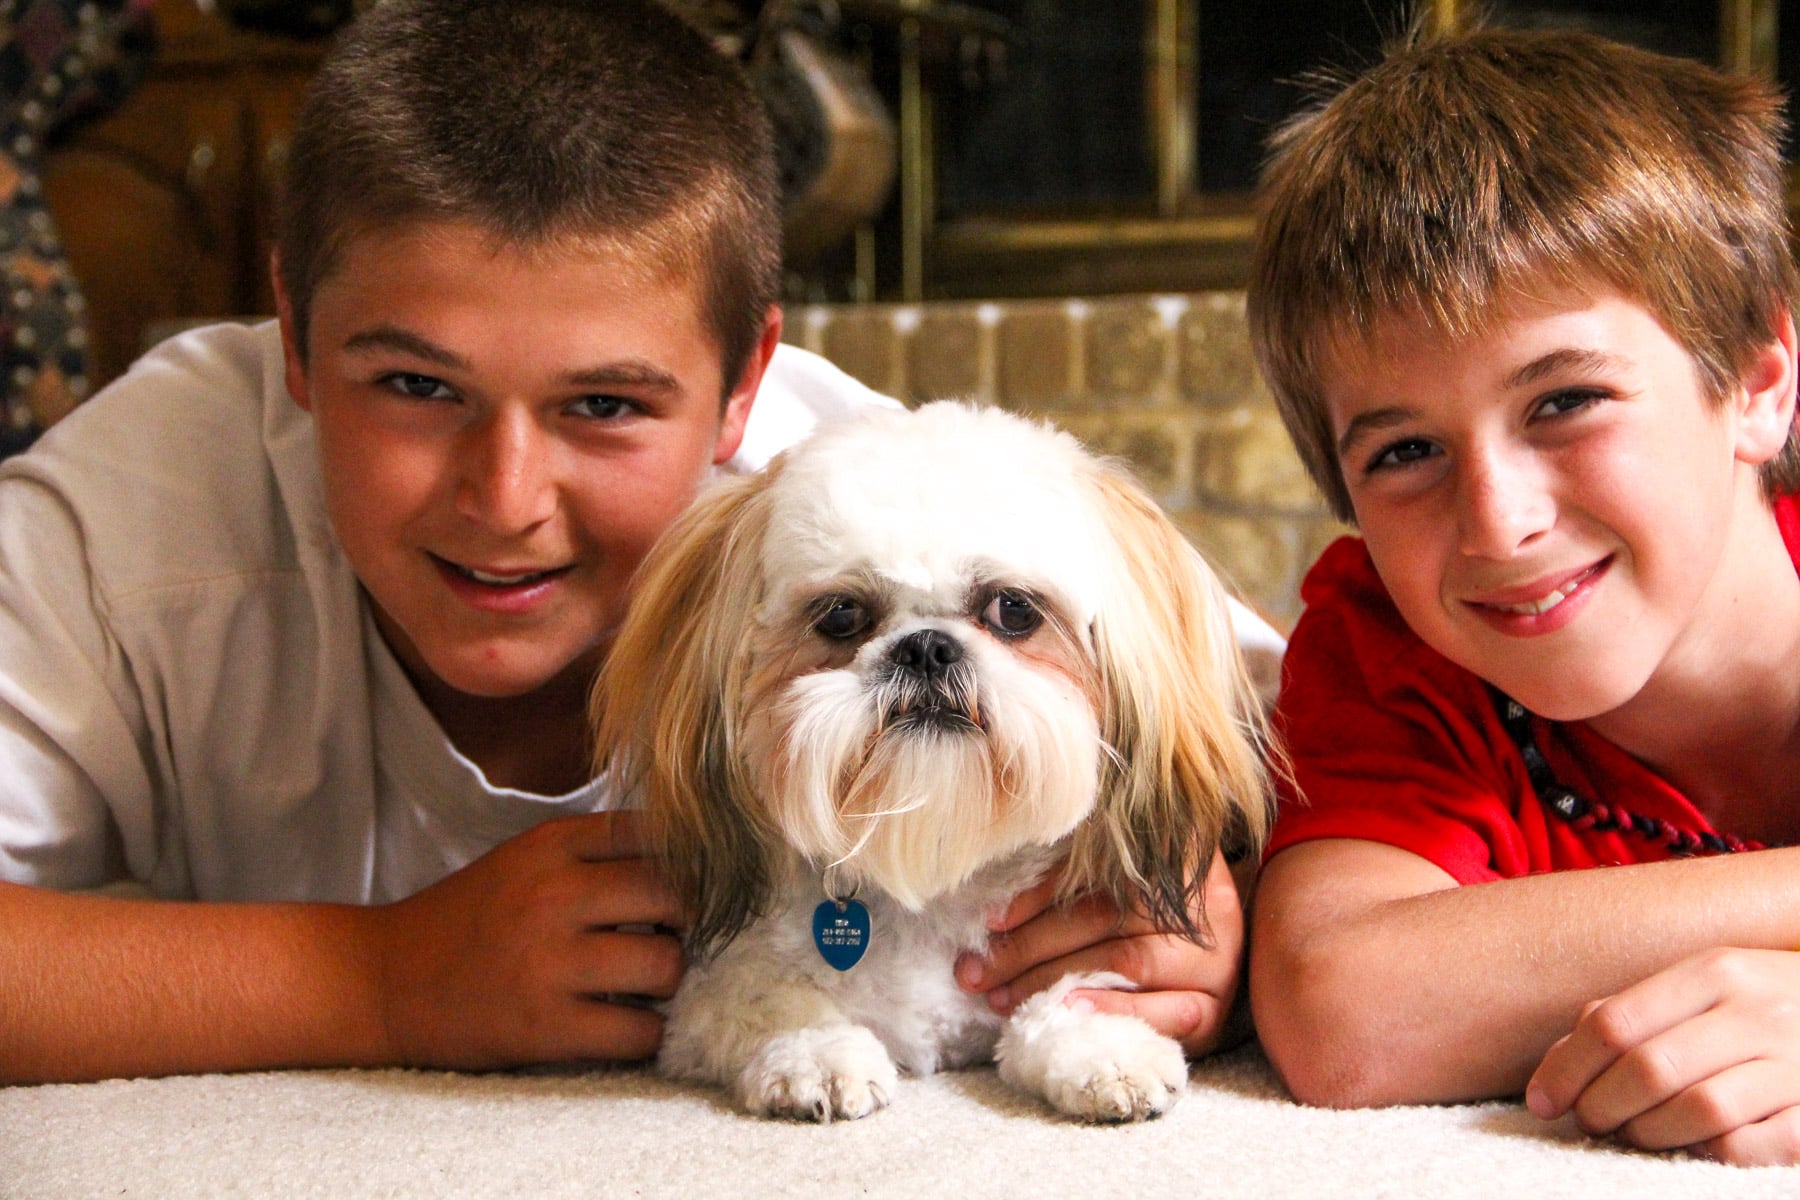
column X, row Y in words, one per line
column 487, row 579
column 1543, row 604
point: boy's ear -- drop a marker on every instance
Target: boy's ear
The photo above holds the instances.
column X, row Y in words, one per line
column 1766, row 416
column 290, row 344
column 743, row 395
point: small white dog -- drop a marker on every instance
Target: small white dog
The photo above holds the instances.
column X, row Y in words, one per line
column 870, row 694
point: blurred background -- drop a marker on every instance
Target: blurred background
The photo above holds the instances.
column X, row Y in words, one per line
column 1038, row 203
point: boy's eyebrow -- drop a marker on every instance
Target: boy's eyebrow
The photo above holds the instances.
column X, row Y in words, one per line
column 392, row 337
column 631, row 372
column 1363, row 424
column 1567, row 359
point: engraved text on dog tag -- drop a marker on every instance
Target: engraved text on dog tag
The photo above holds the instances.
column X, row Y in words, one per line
column 841, row 932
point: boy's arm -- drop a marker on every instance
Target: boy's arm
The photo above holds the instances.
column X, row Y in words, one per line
column 511, row 960
column 93, row 987
column 1377, row 980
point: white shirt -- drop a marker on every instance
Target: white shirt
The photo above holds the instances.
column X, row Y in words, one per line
column 192, row 692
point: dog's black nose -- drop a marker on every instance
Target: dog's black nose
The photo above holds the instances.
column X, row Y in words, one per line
column 928, row 652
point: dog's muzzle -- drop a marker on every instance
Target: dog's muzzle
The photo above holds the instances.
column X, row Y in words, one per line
column 929, row 685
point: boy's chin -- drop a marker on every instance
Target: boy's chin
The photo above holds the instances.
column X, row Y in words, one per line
column 505, row 672
column 452, row 657
column 1558, row 696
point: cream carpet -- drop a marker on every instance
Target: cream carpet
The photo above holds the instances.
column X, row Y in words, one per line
column 402, row 1134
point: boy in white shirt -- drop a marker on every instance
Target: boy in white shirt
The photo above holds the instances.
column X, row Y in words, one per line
column 299, row 620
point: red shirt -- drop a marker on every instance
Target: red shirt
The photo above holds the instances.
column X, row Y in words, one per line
column 1392, row 742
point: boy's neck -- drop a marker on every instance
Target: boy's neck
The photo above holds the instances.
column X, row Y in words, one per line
column 1721, row 720
column 536, row 743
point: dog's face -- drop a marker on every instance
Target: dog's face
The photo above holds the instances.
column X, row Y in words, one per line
column 921, row 686
column 917, row 644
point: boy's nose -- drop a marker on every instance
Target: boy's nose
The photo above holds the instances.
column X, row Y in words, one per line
column 504, row 476
column 1503, row 503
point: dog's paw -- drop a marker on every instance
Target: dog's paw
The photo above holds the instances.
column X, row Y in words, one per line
column 1091, row 1065
column 838, row 1073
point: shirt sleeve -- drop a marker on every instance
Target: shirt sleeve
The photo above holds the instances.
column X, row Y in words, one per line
column 1391, row 743
column 73, row 750
column 799, row 391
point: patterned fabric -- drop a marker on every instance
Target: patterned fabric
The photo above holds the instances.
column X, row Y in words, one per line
column 60, row 61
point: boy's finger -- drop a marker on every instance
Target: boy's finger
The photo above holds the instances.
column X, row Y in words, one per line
column 602, row 1030
column 624, row 891
column 1609, row 1029
column 1153, row 962
column 1565, row 1072
column 1028, row 904
column 634, row 964
column 598, row 837
column 1051, row 936
column 1774, row 1142
column 1195, row 1019
column 1663, row 1068
column 1743, row 1094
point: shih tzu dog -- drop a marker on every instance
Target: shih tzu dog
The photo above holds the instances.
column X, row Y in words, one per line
column 867, row 696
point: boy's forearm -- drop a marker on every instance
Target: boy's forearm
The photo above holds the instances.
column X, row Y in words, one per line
column 1455, row 993
column 93, row 988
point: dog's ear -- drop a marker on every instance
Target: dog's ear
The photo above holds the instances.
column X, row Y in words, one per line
column 666, row 707
column 1187, row 767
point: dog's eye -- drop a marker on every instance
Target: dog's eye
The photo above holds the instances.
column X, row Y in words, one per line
column 1011, row 614
column 842, row 618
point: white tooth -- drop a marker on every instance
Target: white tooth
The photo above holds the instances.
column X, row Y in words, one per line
column 1535, row 607
column 484, row 577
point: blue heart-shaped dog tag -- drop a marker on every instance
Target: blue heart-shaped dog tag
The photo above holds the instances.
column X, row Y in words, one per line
column 841, row 932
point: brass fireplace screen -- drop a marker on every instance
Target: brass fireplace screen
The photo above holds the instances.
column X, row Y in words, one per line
column 1084, row 146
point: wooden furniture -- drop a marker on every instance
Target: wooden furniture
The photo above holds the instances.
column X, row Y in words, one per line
column 165, row 205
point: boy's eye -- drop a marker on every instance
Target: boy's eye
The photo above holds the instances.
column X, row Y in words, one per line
column 1401, row 453
column 604, row 408
column 420, row 387
column 1011, row 614
column 1559, row 404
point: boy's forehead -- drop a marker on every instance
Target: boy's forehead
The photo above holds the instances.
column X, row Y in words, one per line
column 1410, row 330
column 1517, row 343
column 1357, row 360
column 383, row 248
column 381, row 269
column 578, row 310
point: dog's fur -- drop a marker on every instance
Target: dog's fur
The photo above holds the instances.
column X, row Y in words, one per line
column 922, row 658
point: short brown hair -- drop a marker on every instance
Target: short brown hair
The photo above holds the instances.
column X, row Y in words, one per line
column 542, row 121
column 1463, row 170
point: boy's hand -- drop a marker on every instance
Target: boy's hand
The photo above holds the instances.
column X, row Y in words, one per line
column 519, row 957
column 1186, row 990
column 1704, row 1055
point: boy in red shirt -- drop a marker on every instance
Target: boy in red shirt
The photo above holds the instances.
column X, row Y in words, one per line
column 1524, row 301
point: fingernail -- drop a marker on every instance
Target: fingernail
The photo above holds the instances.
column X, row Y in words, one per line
column 968, row 973
column 1000, row 1000
column 1538, row 1101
